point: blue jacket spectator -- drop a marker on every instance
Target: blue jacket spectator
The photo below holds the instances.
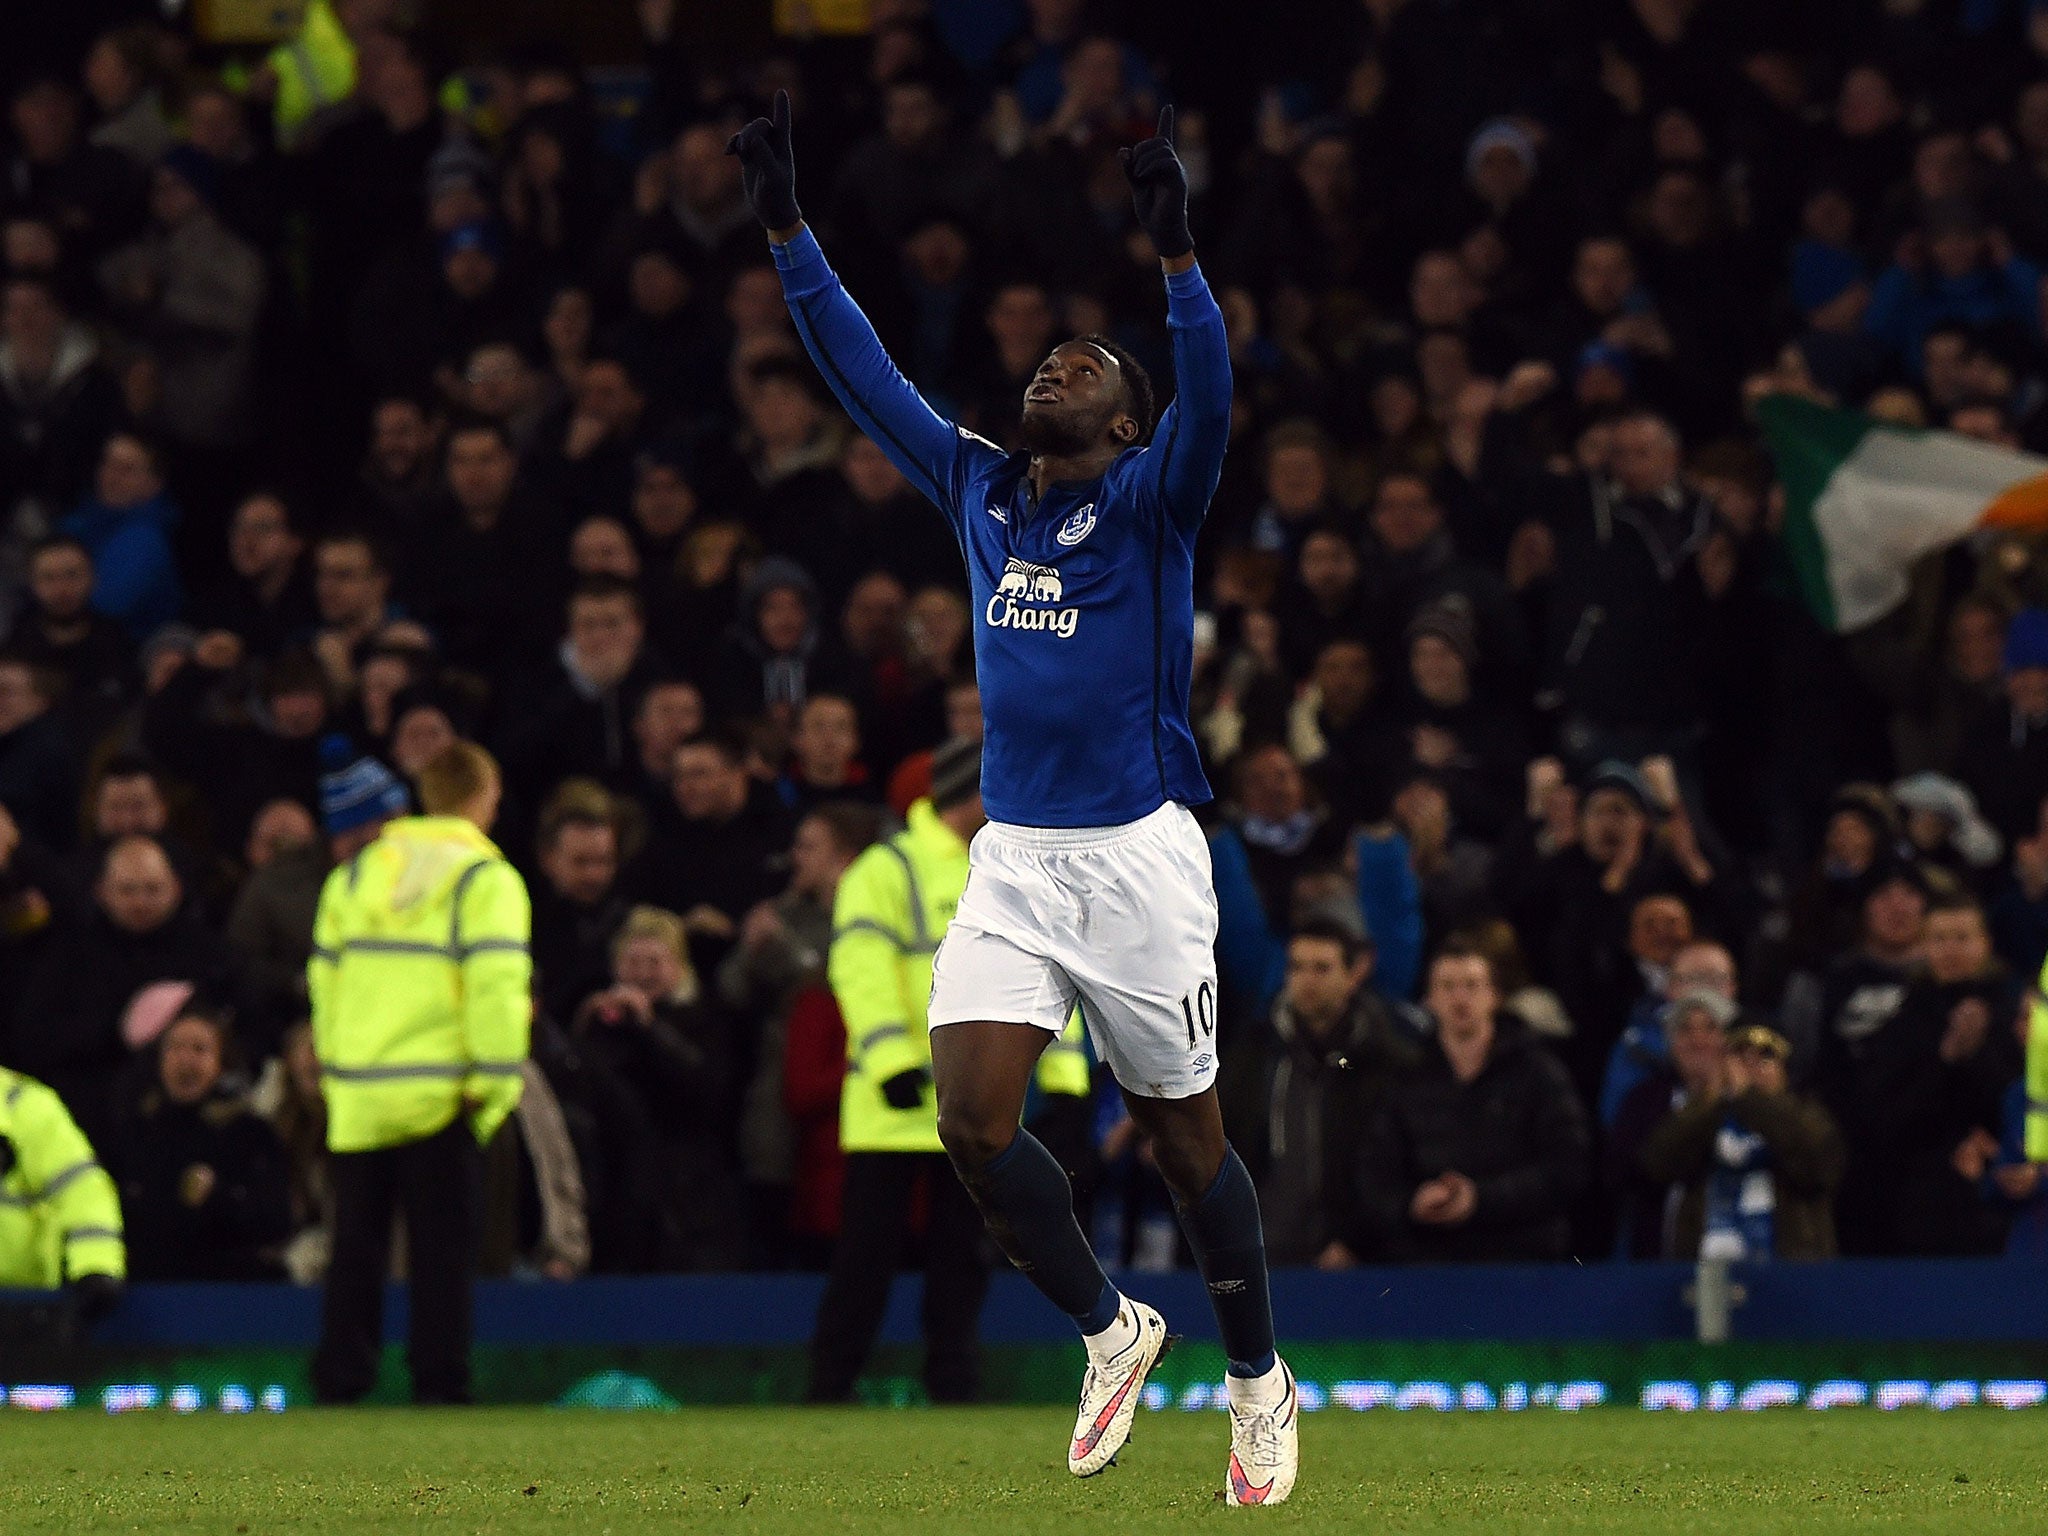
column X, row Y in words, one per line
column 1968, row 277
column 126, row 525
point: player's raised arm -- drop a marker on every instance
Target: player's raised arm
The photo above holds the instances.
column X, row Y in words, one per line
column 886, row 406
column 1191, row 435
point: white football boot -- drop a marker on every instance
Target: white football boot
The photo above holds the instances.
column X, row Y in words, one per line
column 1265, row 1446
column 1110, row 1393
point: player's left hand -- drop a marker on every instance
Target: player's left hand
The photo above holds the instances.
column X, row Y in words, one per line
column 768, row 167
column 1159, row 190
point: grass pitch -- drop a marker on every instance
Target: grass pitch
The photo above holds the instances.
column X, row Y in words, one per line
column 1002, row 1469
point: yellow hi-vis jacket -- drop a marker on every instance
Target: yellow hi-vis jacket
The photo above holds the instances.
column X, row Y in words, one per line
column 2037, row 1079
column 421, row 986
column 315, row 69
column 60, row 1216
column 893, row 906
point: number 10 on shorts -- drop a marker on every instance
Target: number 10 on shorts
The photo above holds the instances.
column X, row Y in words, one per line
column 1199, row 1009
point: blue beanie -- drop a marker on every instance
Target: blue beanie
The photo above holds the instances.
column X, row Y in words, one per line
column 355, row 791
column 2026, row 640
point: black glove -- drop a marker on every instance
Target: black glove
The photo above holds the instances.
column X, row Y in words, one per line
column 93, row 1297
column 905, row 1090
column 6, row 1157
column 767, row 170
column 1159, row 190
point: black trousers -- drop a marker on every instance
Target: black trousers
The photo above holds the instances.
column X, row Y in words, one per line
column 436, row 1183
column 873, row 1227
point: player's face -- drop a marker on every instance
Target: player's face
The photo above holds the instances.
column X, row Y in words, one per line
column 1076, row 401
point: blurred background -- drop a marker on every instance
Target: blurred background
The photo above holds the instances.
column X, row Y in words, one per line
column 1623, row 663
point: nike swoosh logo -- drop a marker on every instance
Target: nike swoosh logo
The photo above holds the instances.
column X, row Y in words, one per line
column 1083, row 1444
column 1243, row 1489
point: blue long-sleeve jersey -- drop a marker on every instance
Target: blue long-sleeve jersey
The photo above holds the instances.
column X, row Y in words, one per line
column 1084, row 605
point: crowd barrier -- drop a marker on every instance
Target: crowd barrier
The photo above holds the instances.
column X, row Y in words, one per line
column 1886, row 1334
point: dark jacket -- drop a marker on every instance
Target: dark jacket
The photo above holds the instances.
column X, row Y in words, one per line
column 1911, row 1110
column 1806, row 1163
column 39, row 780
column 1626, row 609
column 179, row 1224
column 238, row 764
column 271, row 927
column 682, row 1069
column 67, row 1022
column 2004, row 763
column 566, row 727
column 572, row 947
column 730, row 864
column 1297, row 1107
column 1516, row 1130
column 98, row 668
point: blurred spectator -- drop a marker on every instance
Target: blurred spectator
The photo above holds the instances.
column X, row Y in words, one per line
column 1698, row 967
column 825, row 763
column 266, row 597
column 1930, row 1096
column 58, row 632
column 58, row 404
column 192, row 291
column 580, row 722
column 781, row 954
column 1756, row 1165
column 2004, row 753
column 1629, row 601
column 1479, row 1153
column 242, row 747
column 713, row 852
column 1301, row 1099
column 271, row 922
column 125, row 525
column 107, row 982
column 577, row 908
column 38, row 767
column 653, row 1029
column 203, row 1184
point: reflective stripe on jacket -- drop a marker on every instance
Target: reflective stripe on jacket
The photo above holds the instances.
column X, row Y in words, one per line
column 60, row 1216
column 893, row 906
column 2037, row 1079
column 420, row 984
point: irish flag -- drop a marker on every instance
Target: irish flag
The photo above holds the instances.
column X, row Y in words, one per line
column 1864, row 500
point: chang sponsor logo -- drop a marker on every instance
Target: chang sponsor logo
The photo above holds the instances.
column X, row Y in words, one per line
column 1023, row 586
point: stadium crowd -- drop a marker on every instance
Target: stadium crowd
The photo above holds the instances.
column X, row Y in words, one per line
column 1581, row 892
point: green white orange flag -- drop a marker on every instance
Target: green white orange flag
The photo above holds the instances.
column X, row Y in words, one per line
column 1865, row 500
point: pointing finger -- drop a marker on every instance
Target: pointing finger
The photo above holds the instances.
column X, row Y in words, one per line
column 1166, row 124
column 782, row 114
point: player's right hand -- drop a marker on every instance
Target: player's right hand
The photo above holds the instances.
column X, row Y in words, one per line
column 768, row 168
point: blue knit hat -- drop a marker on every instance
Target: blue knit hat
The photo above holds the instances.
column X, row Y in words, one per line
column 355, row 791
column 2026, row 640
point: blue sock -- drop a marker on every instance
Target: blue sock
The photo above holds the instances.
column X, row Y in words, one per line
column 1029, row 1207
column 1230, row 1246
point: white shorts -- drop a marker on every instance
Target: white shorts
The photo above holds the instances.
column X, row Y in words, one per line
column 1121, row 918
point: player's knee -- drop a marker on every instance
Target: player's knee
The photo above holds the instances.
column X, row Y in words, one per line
column 972, row 1139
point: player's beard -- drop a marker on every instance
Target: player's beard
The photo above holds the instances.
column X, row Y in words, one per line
column 1054, row 432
